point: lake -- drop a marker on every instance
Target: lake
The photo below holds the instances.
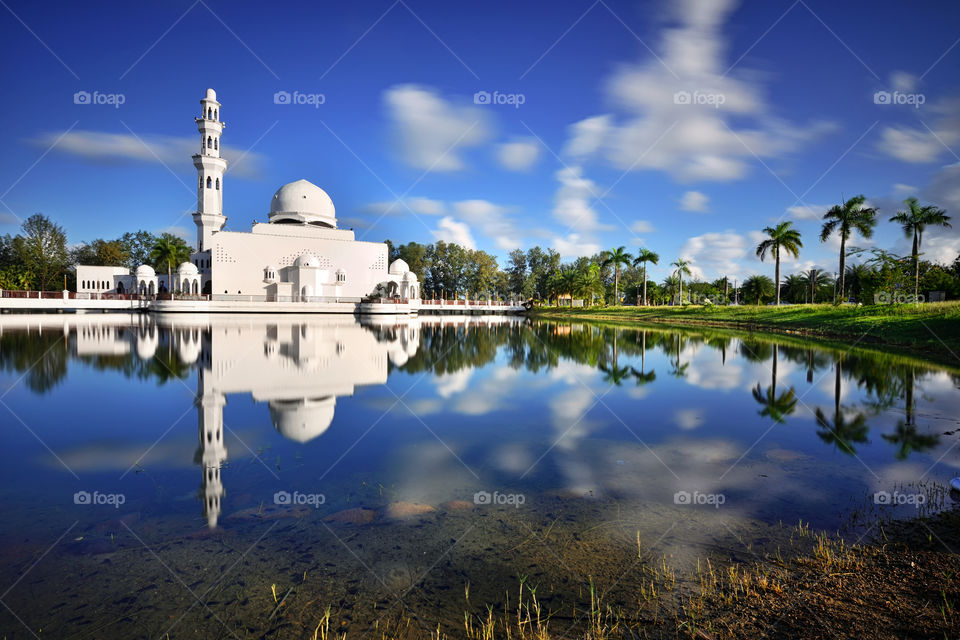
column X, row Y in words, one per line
column 241, row 476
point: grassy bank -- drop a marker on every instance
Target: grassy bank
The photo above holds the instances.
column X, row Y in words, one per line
column 932, row 329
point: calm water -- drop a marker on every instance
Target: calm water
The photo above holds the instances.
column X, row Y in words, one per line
column 169, row 476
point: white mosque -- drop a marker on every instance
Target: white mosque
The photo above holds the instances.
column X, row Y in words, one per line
column 298, row 261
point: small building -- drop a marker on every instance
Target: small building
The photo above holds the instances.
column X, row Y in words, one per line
column 96, row 279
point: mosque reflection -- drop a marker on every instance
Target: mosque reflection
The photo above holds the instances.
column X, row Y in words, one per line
column 300, row 365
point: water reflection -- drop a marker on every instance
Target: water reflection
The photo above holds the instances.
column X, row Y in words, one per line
column 300, row 366
column 393, row 419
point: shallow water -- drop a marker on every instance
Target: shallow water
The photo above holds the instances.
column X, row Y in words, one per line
column 180, row 475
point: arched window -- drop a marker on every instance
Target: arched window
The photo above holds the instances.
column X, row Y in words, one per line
column 216, row 143
column 209, row 112
column 218, row 184
column 216, row 114
column 209, row 142
column 209, row 182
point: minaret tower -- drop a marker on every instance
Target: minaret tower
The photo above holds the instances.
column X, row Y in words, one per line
column 212, row 453
column 210, row 166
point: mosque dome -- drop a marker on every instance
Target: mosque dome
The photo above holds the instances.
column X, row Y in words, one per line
column 211, row 94
column 409, row 276
column 302, row 420
column 307, row 260
column 145, row 271
column 187, row 269
column 398, row 267
column 302, row 202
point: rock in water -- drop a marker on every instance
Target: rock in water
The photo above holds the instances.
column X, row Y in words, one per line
column 406, row 510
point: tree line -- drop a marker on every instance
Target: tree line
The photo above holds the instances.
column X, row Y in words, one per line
column 40, row 257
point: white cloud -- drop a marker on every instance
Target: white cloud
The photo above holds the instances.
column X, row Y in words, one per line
column 491, row 219
column 587, row 136
column 431, row 131
column 642, row 226
column 926, row 143
column 715, row 254
column 571, row 203
column 910, row 145
column 573, row 246
column 449, row 230
column 695, row 201
column 688, row 419
column 103, row 147
column 453, row 383
column 426, row 206
column 682, row 109
column 189, row 235
column 808, row 212
column 903, row 81
column 904, row 189
column 944, row 190
column 518, row 155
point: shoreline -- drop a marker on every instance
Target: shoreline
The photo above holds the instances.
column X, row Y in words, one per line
column 931, row 332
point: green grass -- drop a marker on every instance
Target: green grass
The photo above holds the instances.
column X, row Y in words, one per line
column 933, row 328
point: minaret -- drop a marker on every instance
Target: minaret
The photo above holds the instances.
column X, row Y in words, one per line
column 212, row 454
column 210, row 166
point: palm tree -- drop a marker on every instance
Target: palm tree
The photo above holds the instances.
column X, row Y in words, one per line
column 840, row 432
column 643, row 257
column 170, row 252
column 616, row 258
column 815, row 278
column 588, row 282
column 906, row 436
column 795, row 287
column 643, row 376
column 682, row 267
column 779, row 238
column 858, row 276
column 776, row 407
column 914, row 220
column 757, row 286
column 846, row 218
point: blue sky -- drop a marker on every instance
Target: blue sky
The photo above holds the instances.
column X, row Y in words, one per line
column 683, row 126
